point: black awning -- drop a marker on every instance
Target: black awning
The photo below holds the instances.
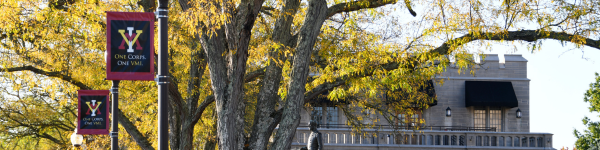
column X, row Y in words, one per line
column 489, row 93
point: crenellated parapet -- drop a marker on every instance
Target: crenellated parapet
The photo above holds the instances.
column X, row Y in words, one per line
column 513, row 66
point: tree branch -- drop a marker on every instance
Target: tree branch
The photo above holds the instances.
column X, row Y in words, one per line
column 148, row 5
column 45, row 135
column 211, row 98
column 315, row 16
column 266, row 9
column 361, row 4
column 123, row 120
column 138, row 137
column 34, row 130
column 197, row 68
column 60, row 4
column 409, row 7
column 251, row 76
column 198, row 112
column 322, row 88
column 523, row 35
column 47, row 73
column 175, row 95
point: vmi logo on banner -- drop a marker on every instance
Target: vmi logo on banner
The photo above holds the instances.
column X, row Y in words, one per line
column 92, row 115
column 130, row 46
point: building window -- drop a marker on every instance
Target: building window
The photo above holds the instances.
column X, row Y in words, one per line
column 405, row 120
column 325, row 116
column 480, row 118
column 317, row 115
column 414, row 119
column 496, row 119
column 488, row 117
column 332, row 116
column 401, row 118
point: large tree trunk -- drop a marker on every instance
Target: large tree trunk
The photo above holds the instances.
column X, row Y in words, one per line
column 184, row 114
column 316, row 15
column 175, row 119
column 227, row 72
column 187, row 138
column 264, row 118
column 214, row 48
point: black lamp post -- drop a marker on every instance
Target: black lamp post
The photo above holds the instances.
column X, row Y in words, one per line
column 519, row 113
column 163, row 74
column 448, row 112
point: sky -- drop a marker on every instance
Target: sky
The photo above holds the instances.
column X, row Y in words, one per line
column 559, row 77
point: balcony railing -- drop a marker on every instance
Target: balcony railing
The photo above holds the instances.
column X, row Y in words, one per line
column 344, row 138
column 429, row 128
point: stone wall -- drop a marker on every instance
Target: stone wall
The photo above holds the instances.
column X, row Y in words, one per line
column 452, row 93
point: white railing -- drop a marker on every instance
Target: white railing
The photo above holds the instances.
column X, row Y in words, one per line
column 424, row 138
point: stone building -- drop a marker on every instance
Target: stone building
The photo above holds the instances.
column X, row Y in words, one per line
column 483, row 109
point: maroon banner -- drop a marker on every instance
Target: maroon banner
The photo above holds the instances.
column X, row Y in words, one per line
column 129, row 46
column 92, row 114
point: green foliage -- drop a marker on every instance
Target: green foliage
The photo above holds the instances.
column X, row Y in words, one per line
column 590, row 138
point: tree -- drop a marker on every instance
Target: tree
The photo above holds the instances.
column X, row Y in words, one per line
column 255, row 56
column 590, row 139
column 563, row 148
